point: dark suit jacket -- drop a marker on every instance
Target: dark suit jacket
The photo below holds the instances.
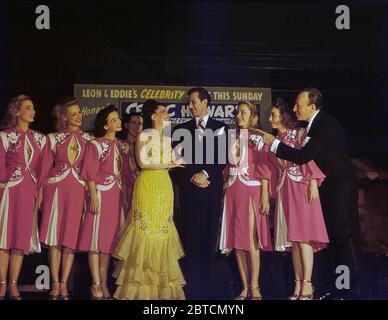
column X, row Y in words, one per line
column 188, row 190
column 327, row 147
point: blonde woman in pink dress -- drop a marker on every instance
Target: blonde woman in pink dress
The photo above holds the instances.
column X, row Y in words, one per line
column 245, row 225
column 299, row 223
column 20, row 152
column 64, row 192
column 102, row 170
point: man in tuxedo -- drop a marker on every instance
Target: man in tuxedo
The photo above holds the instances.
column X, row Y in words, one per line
column 200, row 193
column 326, row 145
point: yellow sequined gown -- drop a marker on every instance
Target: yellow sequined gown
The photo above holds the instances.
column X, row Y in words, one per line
column 149, row 246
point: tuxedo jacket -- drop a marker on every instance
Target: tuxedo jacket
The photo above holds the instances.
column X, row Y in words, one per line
column 193, row 194
column 326, row 145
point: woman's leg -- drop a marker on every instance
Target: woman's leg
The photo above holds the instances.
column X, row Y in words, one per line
column 54, row 263
column 67, row 263
column 254, row 254
column 15, row 265
column 307, row 254
column 4, row 261
column 94, row 266
column 104, row 268
column 298, row 270
column 241, row 257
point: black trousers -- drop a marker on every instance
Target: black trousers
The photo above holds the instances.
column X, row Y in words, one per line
column 199, row 233
column 339, row 198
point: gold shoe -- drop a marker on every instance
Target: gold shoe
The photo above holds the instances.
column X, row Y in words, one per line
column 253, row 297
column 54, row 296
column 108, row 297
column 64, row 296
column 309, row 296
column 295, row 296
column 2, row 283
column 241, row 296
column 17, row 296
column 92, row 296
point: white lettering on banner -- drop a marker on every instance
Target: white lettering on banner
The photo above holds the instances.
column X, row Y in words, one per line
column 221, row 111
column 162, row 94
column 229, row 110
column 185, row 111
column 222, row 96
column 135, row 106
column 88, row 111
column 91, row 93
column 121, row 94
column 250, row 96
column 171, row 106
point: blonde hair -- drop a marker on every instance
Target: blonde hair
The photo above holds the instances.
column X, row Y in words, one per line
column 60, row 110
column 10, row 119
column 254, row 117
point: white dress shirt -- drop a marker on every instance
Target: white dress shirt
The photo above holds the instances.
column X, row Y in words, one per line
column 204, row 119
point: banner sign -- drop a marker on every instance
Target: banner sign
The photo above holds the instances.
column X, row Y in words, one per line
column 129, row 99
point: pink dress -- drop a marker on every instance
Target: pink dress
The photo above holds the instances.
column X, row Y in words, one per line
column 64, row 190
column 296, row 220
column 242, row 195
column 20, row 153
column 102, row 164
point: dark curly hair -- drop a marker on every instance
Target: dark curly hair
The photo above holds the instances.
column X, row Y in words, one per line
column 286, row 113
column 149, row 107
column 100, row 120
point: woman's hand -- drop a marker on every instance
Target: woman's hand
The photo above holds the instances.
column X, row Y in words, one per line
column 94, row 205
column 312, row 191
column 178, row 163
column 264, row 203
column 38, row 201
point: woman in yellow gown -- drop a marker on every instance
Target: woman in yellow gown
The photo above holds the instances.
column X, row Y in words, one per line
column 149, row 246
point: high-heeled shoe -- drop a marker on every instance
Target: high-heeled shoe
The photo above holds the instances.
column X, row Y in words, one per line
column 241, row 296
column 64, row 296
column 54, row 296
column 253, row 297
column 2, row 283
column 13, row 296
column 108, row 297
column 295, row 296
column 92, row 296
column 309, row 296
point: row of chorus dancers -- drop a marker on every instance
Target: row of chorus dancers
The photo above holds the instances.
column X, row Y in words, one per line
column 114, row 197
column 77, row 180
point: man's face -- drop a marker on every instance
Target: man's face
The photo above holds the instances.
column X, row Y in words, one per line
column 197, row 107
column 302, row 108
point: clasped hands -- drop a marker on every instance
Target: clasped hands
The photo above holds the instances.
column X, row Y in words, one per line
column 200, row 180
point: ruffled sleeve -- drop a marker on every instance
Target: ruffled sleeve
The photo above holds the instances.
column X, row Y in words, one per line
column 45, row 163
column 3, row 143
column 265, row 169
column 311, row 171
column 90, row 165
column 262, row 163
